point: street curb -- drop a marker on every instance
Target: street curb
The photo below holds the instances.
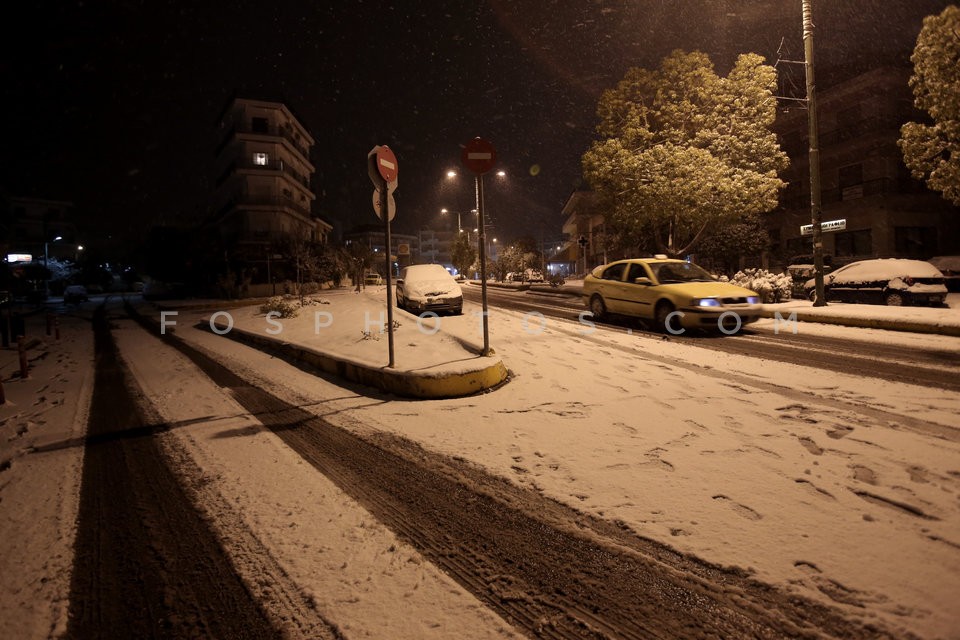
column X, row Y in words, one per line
column 420, row 385
column 866, row 323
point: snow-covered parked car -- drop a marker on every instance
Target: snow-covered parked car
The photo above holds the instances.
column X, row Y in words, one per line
column 891, row 281
column 428, row 287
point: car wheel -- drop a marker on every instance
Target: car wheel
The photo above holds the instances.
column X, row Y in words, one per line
column 812, row 294
column 661, row 313
column 597, row 307
column 893, row 299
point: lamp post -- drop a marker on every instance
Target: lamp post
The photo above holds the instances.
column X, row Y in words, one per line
column 46, row 265
column 459, row 228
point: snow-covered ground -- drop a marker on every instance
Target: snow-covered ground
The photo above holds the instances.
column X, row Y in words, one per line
column 831, row 486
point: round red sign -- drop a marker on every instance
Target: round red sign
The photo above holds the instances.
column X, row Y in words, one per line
column 386, row 163
column 479, row 156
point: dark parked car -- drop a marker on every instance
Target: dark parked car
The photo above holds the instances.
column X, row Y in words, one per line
column 891, row 281
column 75, row 294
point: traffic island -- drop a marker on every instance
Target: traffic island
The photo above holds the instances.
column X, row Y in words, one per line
column 452, row 379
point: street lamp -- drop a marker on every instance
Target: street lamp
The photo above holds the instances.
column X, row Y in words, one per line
column 459, row 228
column 46, row 265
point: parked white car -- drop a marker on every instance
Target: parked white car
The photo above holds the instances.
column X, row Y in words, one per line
column 428, row 287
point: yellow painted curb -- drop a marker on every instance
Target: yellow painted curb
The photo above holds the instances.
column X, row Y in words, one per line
column 424, row 385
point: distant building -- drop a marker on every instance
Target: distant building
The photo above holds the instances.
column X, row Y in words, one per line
column 263, row 196
column 405, row 247
column 586, row 243
column 36, row 225
column 436, row 246
column 868, row 196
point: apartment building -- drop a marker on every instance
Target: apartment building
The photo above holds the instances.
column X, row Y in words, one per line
column 871, row 206
column 263, row 195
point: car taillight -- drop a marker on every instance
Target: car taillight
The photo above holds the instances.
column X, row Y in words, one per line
column 909, row 281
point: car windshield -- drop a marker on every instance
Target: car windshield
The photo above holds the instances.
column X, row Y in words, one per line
column 668, row 272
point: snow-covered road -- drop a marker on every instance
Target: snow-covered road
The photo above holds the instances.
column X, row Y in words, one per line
column 834, row 487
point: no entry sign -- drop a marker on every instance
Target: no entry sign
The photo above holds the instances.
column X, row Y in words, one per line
column 386, row 163
column 382, row 164
column 478, row 156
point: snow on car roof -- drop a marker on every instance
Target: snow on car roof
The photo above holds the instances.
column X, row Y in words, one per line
column 426, row 270
column 888, row 268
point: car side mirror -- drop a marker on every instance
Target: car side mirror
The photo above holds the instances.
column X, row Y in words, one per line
column 398, row 281
column 642, row 280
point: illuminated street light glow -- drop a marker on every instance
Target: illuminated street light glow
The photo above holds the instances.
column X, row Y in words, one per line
column 459, row 227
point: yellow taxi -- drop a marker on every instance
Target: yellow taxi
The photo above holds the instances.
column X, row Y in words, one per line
column 674, row 295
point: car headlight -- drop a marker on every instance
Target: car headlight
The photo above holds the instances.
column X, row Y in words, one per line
column 706, row 302
column 753, row 299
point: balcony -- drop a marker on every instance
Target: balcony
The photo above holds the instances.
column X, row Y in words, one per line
column 275, row 132
column 264, row 201
column 249, row 165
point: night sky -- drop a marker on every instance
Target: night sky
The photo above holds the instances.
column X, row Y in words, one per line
column 114, row 106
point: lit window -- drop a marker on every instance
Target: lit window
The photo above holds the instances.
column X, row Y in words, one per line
column 260, row 158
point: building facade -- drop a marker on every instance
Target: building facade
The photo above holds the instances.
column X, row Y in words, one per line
column 263, row 195
column 871, row 206
column 586, row 243
column 435, row 246
column 39, row 226
column 404, row 247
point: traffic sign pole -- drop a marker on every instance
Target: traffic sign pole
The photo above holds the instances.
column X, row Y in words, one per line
column 479, row 156
column 483, row 265
column 386, row 222
column 383, row 169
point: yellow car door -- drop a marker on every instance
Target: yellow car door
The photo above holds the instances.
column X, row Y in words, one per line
column 637, row 293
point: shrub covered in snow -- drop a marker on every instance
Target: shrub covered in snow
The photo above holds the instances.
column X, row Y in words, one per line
column 771, row 287
column 277, row 304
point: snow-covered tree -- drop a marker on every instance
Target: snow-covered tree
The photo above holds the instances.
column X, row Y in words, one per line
column 932, row 151
column 463, row 254
column 682, row 149
column 509, row 259
column 721, row 248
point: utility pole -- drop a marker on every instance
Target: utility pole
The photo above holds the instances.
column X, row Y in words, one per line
column 816, row 212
